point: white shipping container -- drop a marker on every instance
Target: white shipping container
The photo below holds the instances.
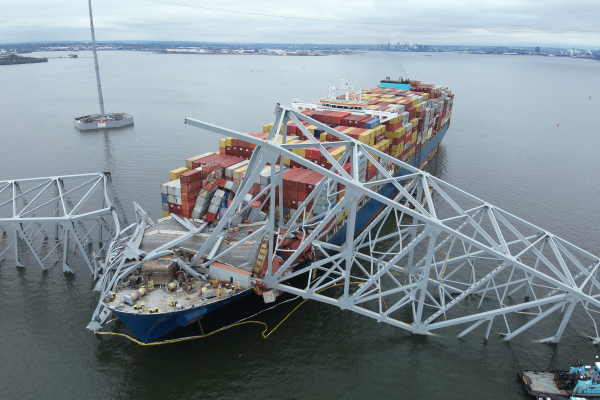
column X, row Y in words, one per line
column 213, row 208
column 177, row 200
column 229, row 171
column 171, row 198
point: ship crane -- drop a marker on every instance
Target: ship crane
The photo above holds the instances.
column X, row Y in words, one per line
column 435, row 258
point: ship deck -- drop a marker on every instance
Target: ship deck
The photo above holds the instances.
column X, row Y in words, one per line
column 168, row 229
column 542, row 384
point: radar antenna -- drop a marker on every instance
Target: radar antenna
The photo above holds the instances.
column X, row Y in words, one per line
column 347, row 86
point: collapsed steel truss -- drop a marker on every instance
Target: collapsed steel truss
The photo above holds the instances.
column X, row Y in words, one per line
column 433, row 257
column 82, row 208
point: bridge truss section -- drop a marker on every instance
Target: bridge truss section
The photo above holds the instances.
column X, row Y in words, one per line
column 50, row 218
column 434, row 257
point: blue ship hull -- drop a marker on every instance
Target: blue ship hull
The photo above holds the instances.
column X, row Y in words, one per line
column 150, row 327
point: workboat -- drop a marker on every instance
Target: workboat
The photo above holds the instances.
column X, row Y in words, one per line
column 580, row 382
column 166, row 291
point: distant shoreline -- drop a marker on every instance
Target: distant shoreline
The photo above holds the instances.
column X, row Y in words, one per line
column 14, row 60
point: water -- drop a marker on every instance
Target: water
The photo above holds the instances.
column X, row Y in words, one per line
column 504, row 146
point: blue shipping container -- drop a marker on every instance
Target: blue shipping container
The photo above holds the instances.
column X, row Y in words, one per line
column 165, row 198
column 372, row 123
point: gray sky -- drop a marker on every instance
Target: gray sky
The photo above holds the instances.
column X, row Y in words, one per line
column 562, row 23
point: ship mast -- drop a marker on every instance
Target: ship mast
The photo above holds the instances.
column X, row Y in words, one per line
column 96, row 62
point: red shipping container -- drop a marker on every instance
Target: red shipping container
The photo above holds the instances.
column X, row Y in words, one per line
column 361, row 123
column 302, row 184
column 190, row 176
column 187, row 205
column 395, row 126
column 294, row 184
column 292, row 129
column 286, row 178
column 313, row 181
column 339, row 116
column 286, row 202
column 302, row 196
column 175, row 208
column 293, row 195
column 192, row 196
column 379, row 138
column 210, row 217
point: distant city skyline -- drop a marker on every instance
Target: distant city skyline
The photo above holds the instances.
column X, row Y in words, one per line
column 493, row 23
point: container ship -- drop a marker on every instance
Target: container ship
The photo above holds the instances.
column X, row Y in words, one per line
column 405, row 119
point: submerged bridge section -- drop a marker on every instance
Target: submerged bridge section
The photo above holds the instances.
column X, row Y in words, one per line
column 59, row 216
column 431, row 258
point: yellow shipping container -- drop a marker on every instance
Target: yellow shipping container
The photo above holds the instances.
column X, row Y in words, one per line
column 286, row 162
column 372, row 107
column 425, row 96
column 323, row 136
column 385, row 143
column 387, row 96
column 228, row 141
column 337, row 153
column 364, row 137
column 267, row 128
column 397, row 134
column 174, row 175
column 379, row 129
column 302, row 152
column 415, row 122
column 222, row 143
column 165, row 214
column 394, row 120
column 348, row 130
column 238, row 174
column 311, row 129
column 419, row 106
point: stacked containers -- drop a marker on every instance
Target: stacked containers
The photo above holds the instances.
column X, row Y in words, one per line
column 214, row 205
column 190, row 183
column 204, row 198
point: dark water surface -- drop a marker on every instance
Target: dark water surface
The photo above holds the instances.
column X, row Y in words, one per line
column 503, row 145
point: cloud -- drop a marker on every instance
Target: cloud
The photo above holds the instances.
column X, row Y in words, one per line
column 527, row 23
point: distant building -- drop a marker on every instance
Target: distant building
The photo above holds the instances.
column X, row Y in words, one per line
column 537, row 49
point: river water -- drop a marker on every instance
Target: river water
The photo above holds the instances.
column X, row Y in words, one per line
column 524, row 136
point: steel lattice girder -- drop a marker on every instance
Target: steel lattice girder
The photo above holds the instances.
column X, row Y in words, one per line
column 77, row 207
column 451, row 249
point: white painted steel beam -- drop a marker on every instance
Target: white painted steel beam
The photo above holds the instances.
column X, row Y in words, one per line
column 474, row 249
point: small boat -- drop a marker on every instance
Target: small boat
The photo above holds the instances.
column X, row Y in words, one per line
column 581, row 382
